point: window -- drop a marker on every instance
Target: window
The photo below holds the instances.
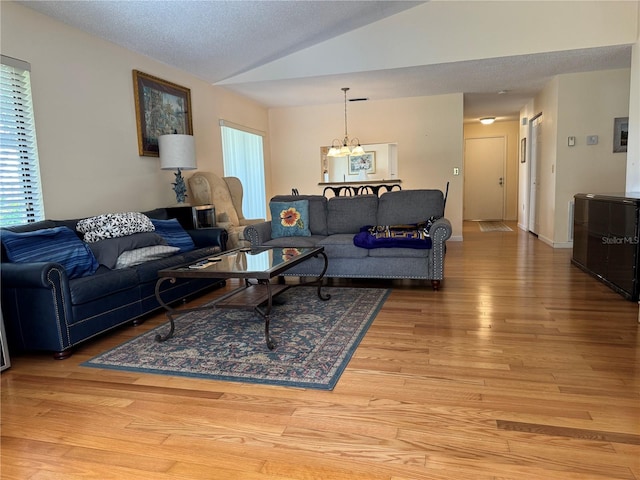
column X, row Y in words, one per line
column 243, row 157
column 20, row 189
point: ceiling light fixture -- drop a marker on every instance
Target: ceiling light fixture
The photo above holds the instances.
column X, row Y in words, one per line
column 347, row 147
column 487, row 120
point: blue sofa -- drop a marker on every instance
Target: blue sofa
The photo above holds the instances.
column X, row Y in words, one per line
column 335, row 223
column 44, row 309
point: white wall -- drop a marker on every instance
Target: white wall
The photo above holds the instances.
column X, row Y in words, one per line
column 578, row 105
column 84, row 109
column 428, row 131
column 588, row 104
column 547, row 103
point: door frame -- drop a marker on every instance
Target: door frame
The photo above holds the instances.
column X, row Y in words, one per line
column 534, row 170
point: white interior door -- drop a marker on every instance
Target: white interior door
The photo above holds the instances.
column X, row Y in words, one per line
column 484, row 163
column 534, row 184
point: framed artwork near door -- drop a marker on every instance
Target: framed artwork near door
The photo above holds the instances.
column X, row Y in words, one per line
column 523, row 150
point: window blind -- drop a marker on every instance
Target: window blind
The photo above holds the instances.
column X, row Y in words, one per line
column 20, row 187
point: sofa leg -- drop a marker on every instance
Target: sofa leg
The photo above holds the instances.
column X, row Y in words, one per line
column 435, row 284
column 63, row 355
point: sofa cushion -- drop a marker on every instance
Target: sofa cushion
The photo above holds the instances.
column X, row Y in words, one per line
column 290, row 219
column 113, row 225
column 409, row 206
column 341, row 245
column 108, row 250
column 104, row 283
column 137, row 256
column 317, row 211
column 173, row 233
column 60, row 245
column 311, row 241
column 349, row 214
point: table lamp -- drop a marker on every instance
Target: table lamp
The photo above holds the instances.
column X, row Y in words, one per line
column 177, row 152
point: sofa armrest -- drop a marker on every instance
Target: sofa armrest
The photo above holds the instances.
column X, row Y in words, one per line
column 36, row 305
column 207, row 237
column 440, row 231
column 258, row 233
column 32, row 275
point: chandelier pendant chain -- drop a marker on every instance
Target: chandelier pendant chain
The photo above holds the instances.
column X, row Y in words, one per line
column 346, row 135
column 346, row 147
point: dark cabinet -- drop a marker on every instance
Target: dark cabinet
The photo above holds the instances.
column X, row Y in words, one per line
column 606, row 240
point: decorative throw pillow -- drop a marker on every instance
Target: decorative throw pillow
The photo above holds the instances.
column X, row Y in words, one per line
column 131, row 258
column 174, row 234
column 113, row 225
column 60, row 245
column 108, row 250
column 290, row 219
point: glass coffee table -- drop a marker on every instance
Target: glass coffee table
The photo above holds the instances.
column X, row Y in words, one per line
column 257, row 267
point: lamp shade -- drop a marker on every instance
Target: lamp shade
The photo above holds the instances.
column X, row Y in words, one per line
column 177, row 152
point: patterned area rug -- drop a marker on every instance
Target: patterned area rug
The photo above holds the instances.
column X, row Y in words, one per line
column 315, row 340
column 494, row 227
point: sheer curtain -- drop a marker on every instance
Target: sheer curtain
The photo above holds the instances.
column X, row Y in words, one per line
column 243, row 157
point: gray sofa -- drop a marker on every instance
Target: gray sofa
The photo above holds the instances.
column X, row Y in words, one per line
column 334, row 222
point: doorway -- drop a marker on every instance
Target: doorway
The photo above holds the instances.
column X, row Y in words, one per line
column 534, row 172
column 484, row 160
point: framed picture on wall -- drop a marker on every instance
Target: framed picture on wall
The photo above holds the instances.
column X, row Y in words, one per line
column 620, row 134
column 161, row 108
column 366, row 162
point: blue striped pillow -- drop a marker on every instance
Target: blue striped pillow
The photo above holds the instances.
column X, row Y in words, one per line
column 60, row 245
column 174, row 234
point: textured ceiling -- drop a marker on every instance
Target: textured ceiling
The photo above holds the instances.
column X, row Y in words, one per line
column 217, row 40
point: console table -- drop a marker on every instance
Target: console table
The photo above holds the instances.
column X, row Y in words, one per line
column 606, row 240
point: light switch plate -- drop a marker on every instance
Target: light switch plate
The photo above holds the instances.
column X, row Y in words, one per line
column 571, row 141
column 592, row 139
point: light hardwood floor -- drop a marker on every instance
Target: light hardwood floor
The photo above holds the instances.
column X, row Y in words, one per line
column 521, row 367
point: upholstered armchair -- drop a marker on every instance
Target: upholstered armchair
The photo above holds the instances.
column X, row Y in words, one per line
column 225, row 194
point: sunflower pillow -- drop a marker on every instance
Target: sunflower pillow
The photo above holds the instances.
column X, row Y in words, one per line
column 290, row 219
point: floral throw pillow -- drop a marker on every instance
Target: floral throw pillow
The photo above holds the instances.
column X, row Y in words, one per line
column 290, row 219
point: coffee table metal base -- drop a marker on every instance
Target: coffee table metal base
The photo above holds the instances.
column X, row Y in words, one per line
column 258, row 296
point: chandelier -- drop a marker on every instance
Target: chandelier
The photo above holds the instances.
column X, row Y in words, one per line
column 346, row 147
